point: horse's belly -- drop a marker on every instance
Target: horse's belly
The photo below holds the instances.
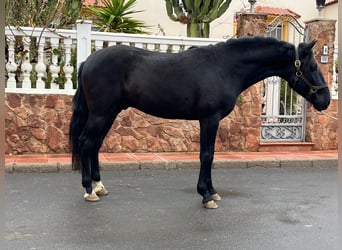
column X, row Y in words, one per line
column 176, row 108
column 168, row 112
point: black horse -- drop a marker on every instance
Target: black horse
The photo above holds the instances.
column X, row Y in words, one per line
column 198, row 84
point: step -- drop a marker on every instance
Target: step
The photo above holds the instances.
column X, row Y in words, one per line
column 285, row 146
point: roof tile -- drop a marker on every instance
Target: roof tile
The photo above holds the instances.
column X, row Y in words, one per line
column 92, row 3
column 275, row 11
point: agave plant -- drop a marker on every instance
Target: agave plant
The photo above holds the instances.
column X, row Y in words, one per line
column 115, row 17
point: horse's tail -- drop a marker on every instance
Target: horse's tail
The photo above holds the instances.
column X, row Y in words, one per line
column 78, row 121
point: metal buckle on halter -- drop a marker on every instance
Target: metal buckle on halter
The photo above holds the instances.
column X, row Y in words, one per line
column 297, row 63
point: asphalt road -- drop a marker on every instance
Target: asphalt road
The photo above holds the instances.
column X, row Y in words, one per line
column 262, row 208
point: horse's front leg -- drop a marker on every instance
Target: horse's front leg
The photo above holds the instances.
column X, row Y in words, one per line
column 208, row 130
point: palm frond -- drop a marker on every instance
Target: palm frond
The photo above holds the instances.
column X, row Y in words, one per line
column 116, row 17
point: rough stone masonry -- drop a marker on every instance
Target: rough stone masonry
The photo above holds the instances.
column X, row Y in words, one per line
column 40, row 124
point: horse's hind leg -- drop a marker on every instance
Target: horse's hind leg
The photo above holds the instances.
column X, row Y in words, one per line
column 99, row 188
column 95, row 166
column 208, row 130
column 90, row 142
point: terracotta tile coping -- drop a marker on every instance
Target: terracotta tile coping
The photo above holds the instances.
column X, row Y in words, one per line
column 167, row 157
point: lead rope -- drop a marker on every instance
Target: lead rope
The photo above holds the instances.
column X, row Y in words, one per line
column 330, row 116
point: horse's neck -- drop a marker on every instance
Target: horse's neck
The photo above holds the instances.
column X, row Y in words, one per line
column 263, row 61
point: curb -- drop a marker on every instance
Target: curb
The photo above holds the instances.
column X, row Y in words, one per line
column 174, row 164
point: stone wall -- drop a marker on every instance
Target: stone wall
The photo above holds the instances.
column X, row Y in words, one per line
column 40, row 124
column 251, row 24
column 36, row 123
column 322, row 128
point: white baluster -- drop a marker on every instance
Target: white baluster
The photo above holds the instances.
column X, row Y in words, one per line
column 98, row 44
column 11, row 66
column 54, row 67
column 163, row 48
column 175, row 48
column 151, row 46
column 26, row 66
column 68, row 68
column 139, row 45
column 111, row 43
column 40, row 66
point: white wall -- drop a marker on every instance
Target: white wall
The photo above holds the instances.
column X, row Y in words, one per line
column 155, row 13
column 331, row 12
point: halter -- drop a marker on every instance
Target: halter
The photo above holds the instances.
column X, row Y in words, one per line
column 299, row 74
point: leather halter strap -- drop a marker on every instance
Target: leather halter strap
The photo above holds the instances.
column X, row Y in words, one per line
column 299, row 75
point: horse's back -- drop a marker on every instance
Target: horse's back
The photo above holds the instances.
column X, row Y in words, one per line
column 181, row 85
column 111, row 58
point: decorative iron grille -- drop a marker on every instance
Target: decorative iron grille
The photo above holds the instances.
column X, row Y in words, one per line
column 283, row 115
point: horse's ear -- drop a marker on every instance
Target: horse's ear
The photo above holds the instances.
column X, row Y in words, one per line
column 306, row 48
column 310, row 45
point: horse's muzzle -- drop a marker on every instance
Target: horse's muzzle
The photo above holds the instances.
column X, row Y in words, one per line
column 321, row 105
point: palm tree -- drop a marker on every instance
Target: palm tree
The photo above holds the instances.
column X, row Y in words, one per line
column 115, row 17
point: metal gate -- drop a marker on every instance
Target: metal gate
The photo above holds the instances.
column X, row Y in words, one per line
column 283, row 111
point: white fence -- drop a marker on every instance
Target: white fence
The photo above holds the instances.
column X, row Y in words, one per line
column 334, row 86
column 42, row 61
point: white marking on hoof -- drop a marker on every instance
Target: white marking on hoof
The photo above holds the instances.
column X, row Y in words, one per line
column 91, row 197
column 100, row 189
column 210, row 205
column 216, row 197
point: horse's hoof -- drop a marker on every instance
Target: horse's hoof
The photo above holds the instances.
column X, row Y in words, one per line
column 216, row 197
column 210, row 205
column 100, row 189
column 91, row 197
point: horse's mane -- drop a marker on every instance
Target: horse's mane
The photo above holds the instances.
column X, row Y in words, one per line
column 255, row 40
column 245, row 42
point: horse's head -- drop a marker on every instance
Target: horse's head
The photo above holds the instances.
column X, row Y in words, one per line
column 308, row 79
